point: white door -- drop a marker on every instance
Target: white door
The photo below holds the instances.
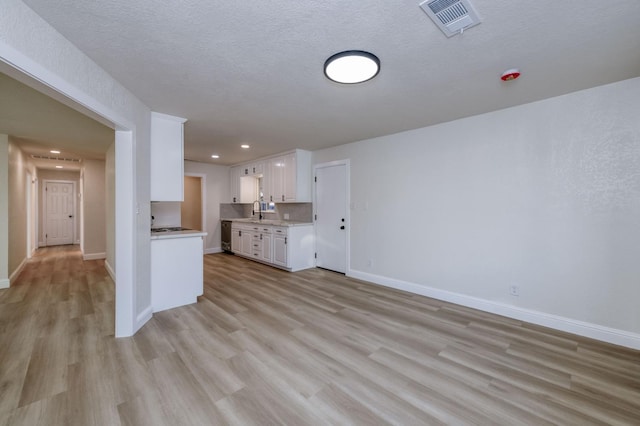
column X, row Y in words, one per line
column 332, row 225
column 59, row 213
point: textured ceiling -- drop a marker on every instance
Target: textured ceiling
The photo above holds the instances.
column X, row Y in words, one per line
column 251, row 72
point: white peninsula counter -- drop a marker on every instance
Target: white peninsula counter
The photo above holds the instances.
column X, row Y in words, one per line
column 176, row 268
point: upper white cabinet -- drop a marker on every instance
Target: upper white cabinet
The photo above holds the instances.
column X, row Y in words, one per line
column 285, row 178
column 167, row 157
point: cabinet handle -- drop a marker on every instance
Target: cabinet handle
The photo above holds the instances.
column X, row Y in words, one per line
column 254, row 170
column 283, row 198
column 260, row 237
column 285, row 240
column 239, row 233
column 271, row 198
column 234, row 199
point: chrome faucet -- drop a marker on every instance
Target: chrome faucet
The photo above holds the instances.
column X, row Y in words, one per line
column 259, row 209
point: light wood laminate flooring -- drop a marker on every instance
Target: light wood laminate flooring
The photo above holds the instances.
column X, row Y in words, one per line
column 268, row 347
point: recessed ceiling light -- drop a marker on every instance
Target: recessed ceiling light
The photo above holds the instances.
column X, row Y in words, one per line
column 215, row 156
column 245, row 146
column 53, row 151
column 59, row 167
column 352, row 66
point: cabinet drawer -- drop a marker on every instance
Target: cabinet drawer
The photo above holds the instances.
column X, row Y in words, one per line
column 277, row 230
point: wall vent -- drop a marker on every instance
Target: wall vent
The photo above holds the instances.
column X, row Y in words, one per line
column 451, row 16
column 47, row 157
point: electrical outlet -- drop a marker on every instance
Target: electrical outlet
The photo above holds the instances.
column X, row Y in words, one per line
column 286, row 216
column 514, row 290
column 370, row 263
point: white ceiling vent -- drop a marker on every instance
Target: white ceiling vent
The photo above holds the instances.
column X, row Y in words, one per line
column 451, row 16
column 47, row 157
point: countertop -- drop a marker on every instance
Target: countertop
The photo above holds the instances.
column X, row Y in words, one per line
column 176, row 234
column 270, row 222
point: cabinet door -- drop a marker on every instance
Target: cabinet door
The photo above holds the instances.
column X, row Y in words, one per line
column 266, row 248
column 167, row 158
column 247, row 247
column 236, row 241
column 276, row 179
column 280, row 250
column 234, row 179
column 289, row 184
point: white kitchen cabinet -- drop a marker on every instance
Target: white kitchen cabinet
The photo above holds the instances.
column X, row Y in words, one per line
column 267, row 248
column 280, row 257
column 234, row 178
column 287, row 247
column 176, row 269
column 236, row 240
column 285, row 178
column 247, row 240
column 167, row 157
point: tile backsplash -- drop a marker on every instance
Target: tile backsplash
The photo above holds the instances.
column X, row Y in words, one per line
column 298, row 212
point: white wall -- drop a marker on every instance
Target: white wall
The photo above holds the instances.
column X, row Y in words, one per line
column 217, row 191
column 110, row 221
column 165, row 213
column 19, row 165
column 4, row 211
column 31, row 45
column 94, row 210
column 545, row 196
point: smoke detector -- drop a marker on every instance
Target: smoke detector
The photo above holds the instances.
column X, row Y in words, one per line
column 451, row 16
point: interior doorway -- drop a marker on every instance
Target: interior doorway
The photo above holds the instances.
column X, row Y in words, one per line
column 192, row 210
column 332, row 215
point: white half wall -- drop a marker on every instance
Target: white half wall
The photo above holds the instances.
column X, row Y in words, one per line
column 544, row 196
column 94, row 210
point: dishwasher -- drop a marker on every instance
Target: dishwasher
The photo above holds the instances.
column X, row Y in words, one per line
column 225, row 242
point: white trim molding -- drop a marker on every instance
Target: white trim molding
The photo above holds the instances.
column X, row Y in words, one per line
column 110, row 271
column 569, row 325
column 17, row 271
column 212, row 250
column 4, row 283
column 94, row 256
column 143, row 317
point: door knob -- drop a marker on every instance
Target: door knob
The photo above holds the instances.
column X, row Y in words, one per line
column 70, row 215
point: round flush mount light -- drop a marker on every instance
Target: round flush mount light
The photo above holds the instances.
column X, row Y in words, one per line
column 215, row 156
column 510, row 74
column 351, row 67
column 54, row 151
column 245, row 146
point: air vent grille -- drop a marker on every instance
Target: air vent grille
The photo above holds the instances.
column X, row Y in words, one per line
column 451, row 16
column 47, row 157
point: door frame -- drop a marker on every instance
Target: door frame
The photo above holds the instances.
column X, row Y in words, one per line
column 347, row 164
column 203, row 197
column 44, row 208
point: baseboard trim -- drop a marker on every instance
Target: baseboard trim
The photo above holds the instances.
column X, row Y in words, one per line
column 4, row 283
column 94, row 256
column 213, row 250
column 580, row 328
column 142, row 318
column 17, row 272
column 110, row 270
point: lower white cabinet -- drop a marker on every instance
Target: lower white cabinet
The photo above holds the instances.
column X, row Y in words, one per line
column 176, row 271
column 287, row 247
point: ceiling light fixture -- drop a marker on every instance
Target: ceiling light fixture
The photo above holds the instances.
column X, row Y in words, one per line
column 245, row 146
column 351, row 67
column 59, row 167
column 53, row 151
column 215, row 156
